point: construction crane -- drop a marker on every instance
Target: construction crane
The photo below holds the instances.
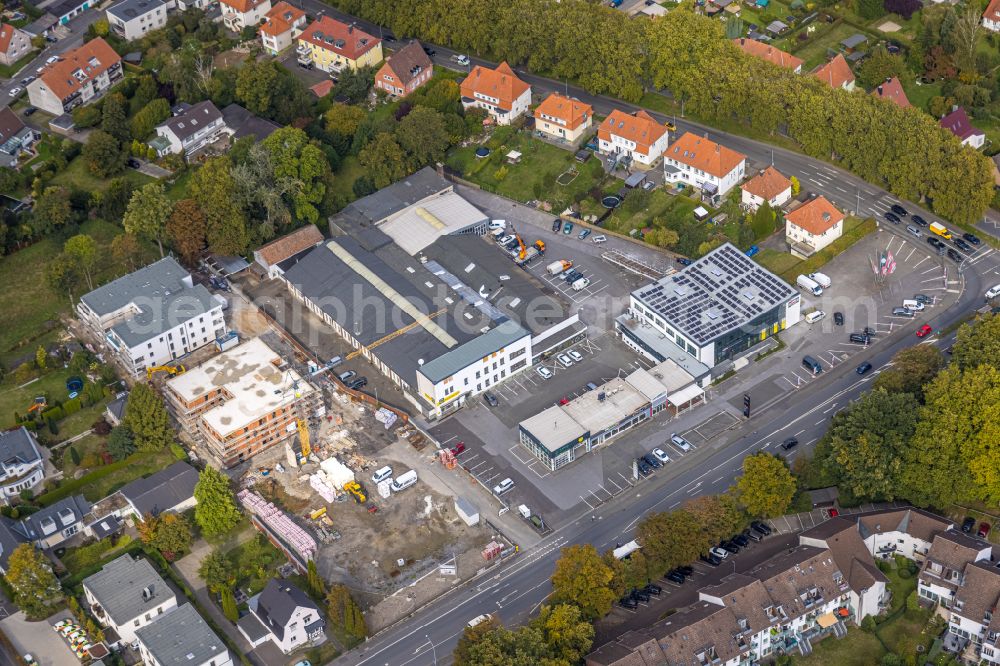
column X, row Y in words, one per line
column 394, row 334
column 524, row 249
column 304, row 438
column 171, row 370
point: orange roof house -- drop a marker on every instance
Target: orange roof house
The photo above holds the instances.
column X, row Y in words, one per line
column 333, row 45
column 281, row 25
column 892, row 90
column 87, row 70
column 563, row 117
column 769, row 53
column 812, row 226
column 836, row 73
column 705, row 155
column 238, row 14
column 286, row 247
column 991, row 17
column 637, row 134
column 499, row 91
column 769, row 185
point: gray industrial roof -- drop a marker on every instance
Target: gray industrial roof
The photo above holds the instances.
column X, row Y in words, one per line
column 402, row 194
column 554, row 428
column 722, row 291
column 126, row 10
column 493, row 340
column 18, row 445
column 55, row 517
column 163, row 490
column 120, row 588
column 162, row 295
column 191, row 120
column 181, row 637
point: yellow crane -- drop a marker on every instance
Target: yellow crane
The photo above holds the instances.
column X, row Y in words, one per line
column 304, row 438
column 169, row 369
column 395, row 334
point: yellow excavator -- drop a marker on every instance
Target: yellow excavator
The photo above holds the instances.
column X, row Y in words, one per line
column 169, row 369
column 355, row 489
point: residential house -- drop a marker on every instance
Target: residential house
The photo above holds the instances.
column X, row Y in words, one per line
column 772, row 54
column 704, row 164
column 132, row 19
column 636, row 137
column 10, row 539
column 191, row 130
column 497, row 91
column 332, row 46
column 973, row 607
column 991, row 17
column 184, row 5
column 15, row 137
column 812, row 226
column 126, row 595
column 769, row 185
column 957, row 122
column 239, row 14
column 907, row 532
column 80, row 76
column 405, row 70
column 563, row 118
column 49, row 527
column 281, row 26
column 114, row 412
column 943, row 570
column 14, row 44
column 285, row 615
column 153, row 316
column 181, row 638
column 170, row 489
column 272, row 256
column 322, row 89
column 836, row 73
column 242, row 123
column 21, row 464
column 892, row 90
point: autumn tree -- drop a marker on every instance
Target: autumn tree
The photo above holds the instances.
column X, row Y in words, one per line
column 217, row 571
column 169, row 533
column 147, row 213
column 216, row 511
column 52, row 210
column 345, row 613
column 126, row 250
column 567, row 634
column 911, row 368
column 186, row 230
column 977, row 343
column 670, row 539
column 211, row 187
column 82, row 251
column 719, row 515
column 472, row 636
column 661, row 237
column 146, row 418
column 766, row 487
column 30, row 576
column 582, row 578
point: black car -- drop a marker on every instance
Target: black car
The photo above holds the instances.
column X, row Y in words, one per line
column 711, row 559
column 653, row 588
column 30, row 110
column 954, row 256
column 388, row 37
column 892, row 217
column 640, row 595
column 652, row 461
column 972, row 238
column 869, row 331
column 685, row 569
column 934, row 242
column 741, row 540
column 358, row 383
column 675, row 577
column 961, row 244
column 838, row 318
column 859, row 338
column 683, row 261
column 644, row 468
column 429, row 51
column 556, row 224
column 729, row 546
column 923, row 298
column 628, row 602
column 491, row 399
column 968, row 524
column 789, row 443
column 919, row 221
column 762, row 528
column 864, row 367
column 899, row 210
column 132, row 163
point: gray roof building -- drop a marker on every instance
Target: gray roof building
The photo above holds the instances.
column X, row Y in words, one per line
column 127, row 588
column 55, row 518
column 18, row 446
column 126, row 10
column 452, row 361
column 163, row 490
column 243, row 123
column 10, row 539
column 182, row 637
column 193, row 119
column 277, row 603
column 402, row 194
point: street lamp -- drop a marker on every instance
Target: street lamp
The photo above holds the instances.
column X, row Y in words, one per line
column 433, row 649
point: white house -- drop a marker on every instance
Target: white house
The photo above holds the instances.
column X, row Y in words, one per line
column 127, row 594
column 907, row 532
column 79, row 76
column 131, row 19
column 14, row 44
column 285, row 615
column 704, row 164
column 943, row 567
column 282, row 24
column 769, row 185
column 812, row 226
column 154, row 315
column 957, row 122
column 504, row 96
column 192, row 129
column 635, row 136
column 181, row 637
column 238, row 14
column 21, row 464
column 991, row 17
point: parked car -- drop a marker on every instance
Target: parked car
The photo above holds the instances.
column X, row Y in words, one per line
column 458, row 448
column 358, row 383
column 869, row 331
column 28, row 79
column 838, row 318
column 556, row 225
column 954, row 256
column 934, row 242
column 491, row 399
column 661, row 455
column 752, row 535
column 575, row 355
column 565, row 360
column 961, row 244
column 753, row 249
column 730, row 547
column 899, row 210
column 968, row 524
column 972, row 238
column 685, row 569
column 864, row 367
column 653, row 588
column 924, row 331
column 652, row 461
column 761, row 527
column 599, row 239
column 429, row 51
column 984, row 529
column 132, row 163
column 568, row 228
column 583, row 234
column 680, row 442
column 711, row 559
column 923, row 298
column 913, row 230
column 628, row 602
column 919, row 221
column 859, row 338
column 503, row 486
column 684, row 261
column 544, row 372
column 345, row 376
column 51, row 59
column 719, row 552
column 741, row 540
column 643, row 467
column 15, row 91
column 892, row 217
column 29, row 111
column 789, row 443
column 675, row 576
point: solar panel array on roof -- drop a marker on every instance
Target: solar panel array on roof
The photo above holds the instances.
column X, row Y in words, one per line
column 721, row 291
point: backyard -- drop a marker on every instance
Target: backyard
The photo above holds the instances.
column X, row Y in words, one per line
column 788, row 267
column 79, row 177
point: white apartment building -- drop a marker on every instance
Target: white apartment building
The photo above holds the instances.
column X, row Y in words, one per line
column 498, row 91
column 79, row 76
column 132, row 19
column 705, row 165
column 126, row 595
column 238, row 14
column 21, row 465
column 182, row 637
column 285, row 615
column 192, row 129
column 635, row 136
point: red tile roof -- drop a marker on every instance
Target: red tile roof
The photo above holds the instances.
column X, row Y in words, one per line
column 291, row 244
column 815, row 216
column 323, row 88
column 572, row 112
column 280, row 19
column 346, row 40
column 892, row 90
column 88, row 62
column 242, row 6
column 769, row 53
column 768, row 184
column 835, row 73
column 7, row 33
column 639, row 128
column 992, row 12
column 708, row 156
column 500, row 83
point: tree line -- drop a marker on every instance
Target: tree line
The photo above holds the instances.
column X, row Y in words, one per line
column 688, row 55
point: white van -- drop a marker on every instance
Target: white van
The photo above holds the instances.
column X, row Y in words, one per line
column 498, row 224
column 580, row 284
column 814, row 316
column 809, row 285
column 821, row 279
column 498, row 233
column 479, row 619
column 381, row 475
column 599, row 239
column 915, row 306
column 404, row 481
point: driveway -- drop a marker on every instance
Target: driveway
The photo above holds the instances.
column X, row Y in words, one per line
column 39, row 639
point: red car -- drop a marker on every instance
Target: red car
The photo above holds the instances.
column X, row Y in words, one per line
column 832, row 513
column 984, row 529
column 564, row 401
column 924, row 330
column 458, row 448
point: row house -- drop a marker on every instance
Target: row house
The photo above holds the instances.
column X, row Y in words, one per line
column 499, row 92
column 635, row 137
column 80, row 76
column 333, row 46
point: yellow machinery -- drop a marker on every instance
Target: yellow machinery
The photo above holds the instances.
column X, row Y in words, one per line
column 39, row 404
column 523, row 248
column 304, row 438
column 395, row 334
column 355, row 489
column 169, row 369
column 318, row 513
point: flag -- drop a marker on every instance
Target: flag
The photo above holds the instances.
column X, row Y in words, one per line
column 882, row 261
column 871, row 261
column 890, row 266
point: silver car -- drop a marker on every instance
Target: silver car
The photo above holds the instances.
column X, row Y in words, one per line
column 913, row 230
column 680, row 442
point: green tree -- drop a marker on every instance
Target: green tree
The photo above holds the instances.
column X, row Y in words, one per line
column 661, row 237
column 149, row 117
column 112, row 202
column 170, row 534
column 30, row 577
column 762, row 221
column 52, row 210
column 719, row 515
column 977, row 343
column 317, row 586
column 304, row 164
column 62, row 275
column 869, row 9
column 384, row 160
column 567, row 634
column 423, row 135
column 229, row 608
column 670, row 539
column 120, row 445
column 345, row 613
column 147, row 213
column 344, row 119
column 146, row 418
column 217, row 571
column 41, row 357
column 911, row 369
column 186, row 230
column 82, row 251
column 216, row 511
column 255, row 84
column 225, row 224
column 879, row 66
column 766, row 487
column 114, row 112
column 103, row 154
column 582, row 578
column 354, row 84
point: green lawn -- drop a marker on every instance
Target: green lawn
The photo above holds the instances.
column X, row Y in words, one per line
column 17, row 399
column 143, row 465
column 788, row 267
column 858, row 648
column 920, row 94
column 78, row 176
column 179, row 188
column 814, row 51
column 91, row 444
column 7, row 71
column 661, row 205
column 343, row 179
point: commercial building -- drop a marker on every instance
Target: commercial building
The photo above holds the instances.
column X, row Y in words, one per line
column 563, row 118
column 713, row 310
column 132, row 19
column 79, row 77
column 405, row 70
column 21, row 465
column 333, row 46
column 191, row 129
column 282, row 24
column 705, row 165
column 812, row 226
column 632, row 137
column 127, row 594
column 772, row 54
column 769, row 185
column 498, row 91
column 153, row 316
column 239, row 14
column 271, row 257
column 14, row 44
column 181, row 638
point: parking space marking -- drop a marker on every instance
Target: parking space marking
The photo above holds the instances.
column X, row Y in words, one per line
column 912, row 250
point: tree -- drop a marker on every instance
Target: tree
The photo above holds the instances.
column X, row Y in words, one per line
column 582, row 578
column 112, row 202
column 52, row 210
column 869, row 9
column 568, row 635
column 317, row 586
column 82, row 251
column 964, row 35
column 670, row 539
column 345, row 613
column 146, row 418
column 796, row 186
column 911, row 368
column 113, row 117
column 294, row 158
column 40, row 357
column 255, row 84
column 763, row 221
column 661, row 237
column 719, row 515
column 879, row 66
column 343, row 120
column 62, row 275
column 354, row 84
column 766, row 487
column 149, row 117
column 977, row 343
column 217, row 571
column 225, row 225
column 169, row 533
column 147, row 213
column 125, row 250
column 103, row 154
column 120, row 445
column 186, row 230
column 216, row 511
column 229, row 608
column 423, row 135
column 471, row 636
column 30, row 577
column 904, row 8
column 383, row 159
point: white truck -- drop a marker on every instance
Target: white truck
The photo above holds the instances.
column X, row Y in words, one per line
column 557, row 267
column 821, row 279
column 810, row 285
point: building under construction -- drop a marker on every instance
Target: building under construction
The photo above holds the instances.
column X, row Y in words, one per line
column 243, row 401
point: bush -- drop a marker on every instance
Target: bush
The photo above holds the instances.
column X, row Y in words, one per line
column 178, row 451
column 72, row 406
column 904, row 573
column 868, row 624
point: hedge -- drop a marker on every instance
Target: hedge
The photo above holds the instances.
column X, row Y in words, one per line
column 69, row 487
